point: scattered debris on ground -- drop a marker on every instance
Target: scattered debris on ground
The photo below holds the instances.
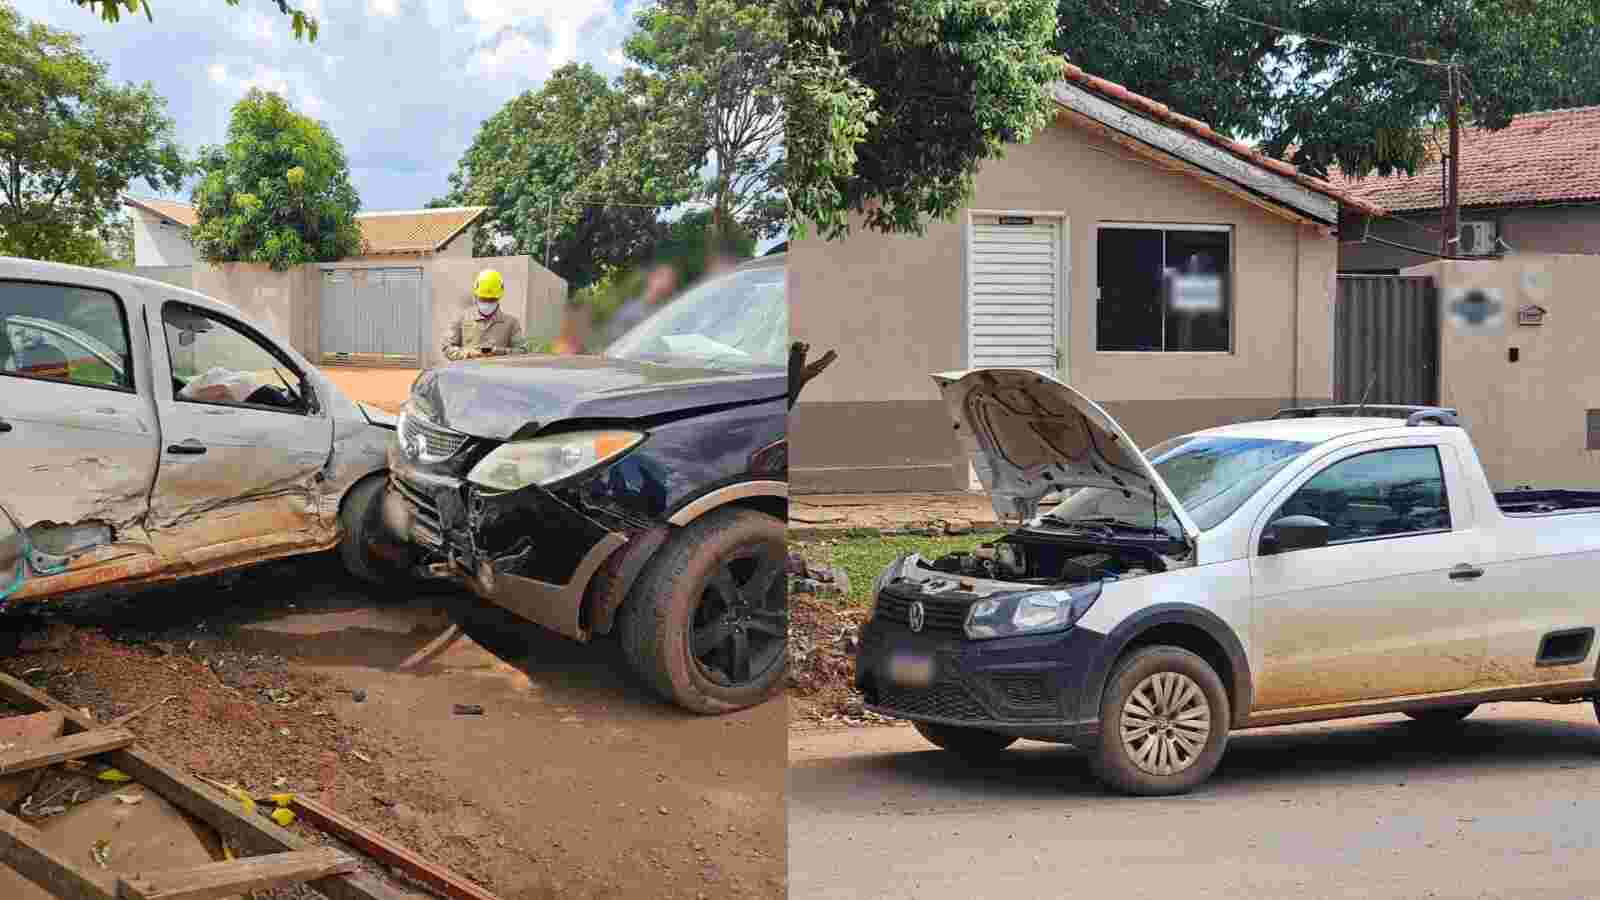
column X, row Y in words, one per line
column 823, row 637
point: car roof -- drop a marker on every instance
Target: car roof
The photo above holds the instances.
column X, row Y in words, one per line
column 1308, row 430
column 39, row 270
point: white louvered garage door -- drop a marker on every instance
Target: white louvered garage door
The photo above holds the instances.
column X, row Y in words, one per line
column 1014, row 292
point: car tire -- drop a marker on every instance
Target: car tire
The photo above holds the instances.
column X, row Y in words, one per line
column 1441, row 716
column 358, row 519
column 1164, row 721
column 967, row 743
column 698, row 605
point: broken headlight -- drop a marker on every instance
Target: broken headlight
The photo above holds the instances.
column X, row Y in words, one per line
column 547, row 460
column 1032, row 612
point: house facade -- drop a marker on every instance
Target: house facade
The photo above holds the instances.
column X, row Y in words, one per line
column 1177, row 277
column 1530, row 188
column 161, row 233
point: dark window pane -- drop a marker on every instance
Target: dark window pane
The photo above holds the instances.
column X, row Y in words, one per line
column 1198, row 290
column 1385, row 493
column 1128, row 316
column 63, row 333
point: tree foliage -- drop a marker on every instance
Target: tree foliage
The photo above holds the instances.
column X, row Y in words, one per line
column 539, row 163
column 278, row 192
column 705, row 71
column 893, row 104
column 71, row 142
column 304, row 24
column 1358, row 111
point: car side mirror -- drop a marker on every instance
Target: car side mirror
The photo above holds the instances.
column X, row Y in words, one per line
column 1294, row 533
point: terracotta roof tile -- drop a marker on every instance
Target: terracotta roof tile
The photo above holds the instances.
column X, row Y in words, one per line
column 404, row 231
column 1545, row 157
column 1159, row 112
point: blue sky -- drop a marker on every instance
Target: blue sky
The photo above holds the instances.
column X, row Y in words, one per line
column 404, row 84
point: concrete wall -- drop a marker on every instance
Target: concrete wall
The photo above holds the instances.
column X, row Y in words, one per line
column 288, row 304
column 1528, row 418
column 1536, row 230
column 178, row 276
column 157, row 244
column 893, row 307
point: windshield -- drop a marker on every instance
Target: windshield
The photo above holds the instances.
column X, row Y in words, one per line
column 736, row 321
column 1210, row 476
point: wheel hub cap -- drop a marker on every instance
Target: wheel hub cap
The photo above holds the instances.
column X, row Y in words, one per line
column 1165, row 723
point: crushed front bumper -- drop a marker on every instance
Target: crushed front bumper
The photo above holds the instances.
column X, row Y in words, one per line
column 1024, row 686
column 525, row 551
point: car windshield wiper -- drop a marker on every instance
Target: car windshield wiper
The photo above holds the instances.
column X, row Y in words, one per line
column 1113, row 522
column 1078, row 524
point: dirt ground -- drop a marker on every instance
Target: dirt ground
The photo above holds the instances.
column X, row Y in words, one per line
column 1366, row 808
column 888, row 511
column 386, row 389
column 573, row 782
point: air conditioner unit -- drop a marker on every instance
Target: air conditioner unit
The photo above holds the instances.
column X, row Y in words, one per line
column 1477, row 239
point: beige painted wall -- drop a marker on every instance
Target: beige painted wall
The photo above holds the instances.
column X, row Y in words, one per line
column 1527, row 418
column 288, row 304
column 893, row 308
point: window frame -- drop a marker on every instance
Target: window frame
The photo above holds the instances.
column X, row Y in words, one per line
column 312, row 406
column 1228, row 295
column 1444, row 478
column 127, row 336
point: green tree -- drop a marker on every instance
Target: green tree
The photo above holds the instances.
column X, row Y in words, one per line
column 705, row 72
column 71, row 142
column 1334, row 106
column 539, row 161
column 304, row 25
column 278, row 192
column 892, row 105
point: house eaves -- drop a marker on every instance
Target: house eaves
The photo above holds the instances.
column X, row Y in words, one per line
column 1198, row 150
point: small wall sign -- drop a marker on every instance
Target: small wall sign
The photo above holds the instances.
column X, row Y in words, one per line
column 1532, row 314
column 1016, row 220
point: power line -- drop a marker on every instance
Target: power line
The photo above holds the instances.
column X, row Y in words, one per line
column 1314, row 38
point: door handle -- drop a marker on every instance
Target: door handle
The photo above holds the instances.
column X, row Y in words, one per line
column 190, row 447
column 4, row 426
column 1465, row 572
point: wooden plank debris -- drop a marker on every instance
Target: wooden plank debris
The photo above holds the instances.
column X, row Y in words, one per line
column 227, row 879
column 388, row 852
column 74, row 746
column 438, row 645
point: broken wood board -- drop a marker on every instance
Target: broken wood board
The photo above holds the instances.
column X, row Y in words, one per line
column 148, row 836
column 250, row 833
column 225, row 879
column 388, row 852
column 26, row 731
column 93, row 742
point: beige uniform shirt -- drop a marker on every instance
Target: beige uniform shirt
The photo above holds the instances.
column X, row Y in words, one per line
column 501, row 331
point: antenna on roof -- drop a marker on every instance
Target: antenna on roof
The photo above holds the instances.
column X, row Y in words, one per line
column 1368, row 392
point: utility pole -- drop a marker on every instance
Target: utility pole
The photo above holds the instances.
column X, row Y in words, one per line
column 1451, row 242
column 549, row 229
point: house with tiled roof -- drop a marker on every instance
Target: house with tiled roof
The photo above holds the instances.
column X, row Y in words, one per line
column 161, row 233
column 1532, row 187
column 1176, row 276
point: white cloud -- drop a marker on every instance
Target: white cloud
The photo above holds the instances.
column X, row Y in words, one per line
column 218, row 73
column 386, row 8
column 616, row 57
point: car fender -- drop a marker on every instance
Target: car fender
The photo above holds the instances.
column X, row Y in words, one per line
column 723, row 496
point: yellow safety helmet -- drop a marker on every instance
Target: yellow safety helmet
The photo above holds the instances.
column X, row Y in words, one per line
column 489, row 286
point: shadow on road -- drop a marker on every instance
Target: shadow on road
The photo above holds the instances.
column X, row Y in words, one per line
column 1513, row 738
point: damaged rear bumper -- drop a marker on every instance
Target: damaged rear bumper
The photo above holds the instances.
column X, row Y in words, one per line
column 525, row 551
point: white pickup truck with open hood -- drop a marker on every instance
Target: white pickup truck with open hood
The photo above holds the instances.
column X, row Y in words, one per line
column 149, row 433
column 1326, row 563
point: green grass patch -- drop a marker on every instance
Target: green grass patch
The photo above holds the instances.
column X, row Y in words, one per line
column 864, row 557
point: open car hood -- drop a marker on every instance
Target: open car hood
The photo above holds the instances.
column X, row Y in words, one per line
column 1030, row 435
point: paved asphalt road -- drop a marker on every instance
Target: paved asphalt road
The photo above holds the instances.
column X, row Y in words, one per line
column 1506, row 806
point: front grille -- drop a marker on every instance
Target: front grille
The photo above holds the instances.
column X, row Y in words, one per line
column 425, row 527
column 940, row 615
column 944, row 700
column 437, row 444
column 1022, row 690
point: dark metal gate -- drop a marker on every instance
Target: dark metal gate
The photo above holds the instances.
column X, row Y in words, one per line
column 1386, row 336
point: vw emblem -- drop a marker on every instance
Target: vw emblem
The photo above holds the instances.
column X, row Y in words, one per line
column 917, row 616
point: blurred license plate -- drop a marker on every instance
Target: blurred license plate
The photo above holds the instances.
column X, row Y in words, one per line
column 910, row 669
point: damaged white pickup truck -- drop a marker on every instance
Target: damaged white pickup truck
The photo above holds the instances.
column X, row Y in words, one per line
column 149, row 433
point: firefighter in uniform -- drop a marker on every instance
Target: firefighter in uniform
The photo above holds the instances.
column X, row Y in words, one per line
column 484, row 330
